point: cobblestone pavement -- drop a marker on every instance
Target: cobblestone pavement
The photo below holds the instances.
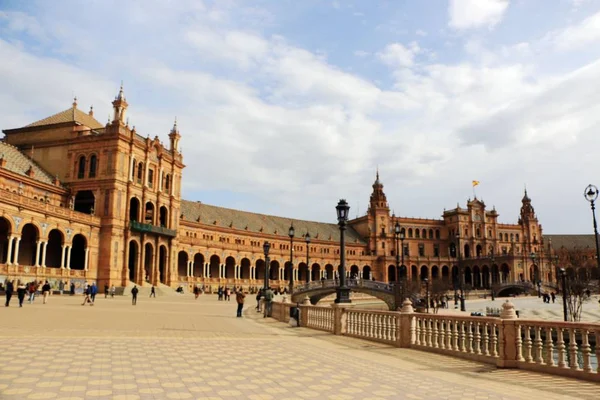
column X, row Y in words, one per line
column 181, row 348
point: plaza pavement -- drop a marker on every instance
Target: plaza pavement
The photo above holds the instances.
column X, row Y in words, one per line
column 175, row 347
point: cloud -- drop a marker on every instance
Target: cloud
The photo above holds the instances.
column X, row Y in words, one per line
column 467, row 14
column 577, row 36
column 420, row 32
column 397, row 55
column 361, row 53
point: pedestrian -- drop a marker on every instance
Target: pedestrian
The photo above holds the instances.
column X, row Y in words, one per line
column 72, row 289
column 86, row 294
column 10, row 287
column 268, row 302
column 93, row 292
column 106, row 290
column 21, row 290
column 112, row 291
column 32, row 290
column 553, row 295
column 46, row 291
column 196, row 292
column 227, row 294
column 258, row 296
column 239, row 297
column 153, row 292
column 220, row 293
column 61, row 287
column 134, row 293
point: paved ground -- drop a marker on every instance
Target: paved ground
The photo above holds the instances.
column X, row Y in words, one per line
column 178, row 348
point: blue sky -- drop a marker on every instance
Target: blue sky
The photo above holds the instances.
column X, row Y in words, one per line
column 286, row 106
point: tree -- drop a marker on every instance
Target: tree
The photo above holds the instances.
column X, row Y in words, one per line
column 580, row 279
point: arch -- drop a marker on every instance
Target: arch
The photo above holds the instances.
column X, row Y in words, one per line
column 366, row 272
column 134, row 209
column 414, row 273
column 164, row 217
column 445, row 273
column 479, row 250
column 315, row 272
column 28, row 246
column 162, row 264
column 78, row 246
column 140, row 172
column 403, row 271
column 468, row 276
column 437, row 234
column 424, row 233
column 303, row 272
column 417, row 234
column 485, row 277
column 410, row 232
column 81, row 167
column 354, row 271
column 452, row 249
column 148, row 260
column 167, row 182
column 495, row 274
column 505, row 272
column 230, row 267
column 476, row 277
column 329, row 271
column 274, row 270
column 93, row 166
column 182, row 264
column 430, row 233
column 198, row 270
column 149, row 213
column 245, row 268
column 534, row 273
column 455, row 276
column 260, row 269
column 85, row 202
column 391, row 273
column 214, row 267
column 435, row 272
column 424, row 272
column 56, row 240
column 133, row 260
column 467, row 251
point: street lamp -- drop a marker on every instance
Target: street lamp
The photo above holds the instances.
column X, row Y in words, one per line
column 563, row 276
column 342, row 292
column 291, row 233
column 535, row 277
column 397, row 237
column 426, row 293
column 460, row 272
column 307, row 240
column 266, row 247
column 491, row 283
column 591, row 194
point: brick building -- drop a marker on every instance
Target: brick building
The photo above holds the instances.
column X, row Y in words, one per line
column 82, row 201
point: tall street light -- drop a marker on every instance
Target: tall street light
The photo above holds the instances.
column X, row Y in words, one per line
column 491, row 283
column 535, row 277
column 266, row 247
column 397, row 237
column 426, row 293
column 307, row 240
column 460, row 273
column 591, row 194
column 563, row 277
column 291, row 233
column 342, row 292
column 403, row 272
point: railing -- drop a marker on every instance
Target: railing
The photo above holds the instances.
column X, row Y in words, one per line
column 351, row 283
column 560, row 348
column 52, row 210
column 148, row 228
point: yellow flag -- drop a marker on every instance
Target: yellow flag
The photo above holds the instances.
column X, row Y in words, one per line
column 475, row 183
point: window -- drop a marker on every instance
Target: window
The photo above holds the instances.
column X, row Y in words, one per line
column 512, row 237
column 517, row 237
column 477, row 232
column 81, row 168
column 421, row 250
column 406, row 250
column 167, row 182
column 140, row 172
column 93, row 166
column 437, row 233
column 150, row 178
column 431, row 234
column 410, row 233
column 436, row 250
column 417, row 233
column 383, row 245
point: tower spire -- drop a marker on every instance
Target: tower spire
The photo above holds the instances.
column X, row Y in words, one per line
column 174, row 137
column 120, row 106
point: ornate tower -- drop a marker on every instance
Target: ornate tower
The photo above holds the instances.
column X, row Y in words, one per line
column 532, row 230
column 379, row 219
column 174, row 136
column 119, row 107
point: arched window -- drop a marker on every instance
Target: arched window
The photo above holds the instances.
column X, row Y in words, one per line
column 431, row 234
column 81, row 168
column 517, row 237
column 93, row 166
column 410, row 232
column 140, row 172
column 417, row 233
column 167, row 182
column 437, row 233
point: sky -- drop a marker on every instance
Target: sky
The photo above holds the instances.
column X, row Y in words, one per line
column 286, row 106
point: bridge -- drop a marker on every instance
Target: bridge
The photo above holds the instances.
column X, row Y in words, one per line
column 508, row 288
column 316, row 290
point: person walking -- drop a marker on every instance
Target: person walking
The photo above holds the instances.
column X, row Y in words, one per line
column 268, row 302
column 61, row 287
column 87, row 290
column 258, row 296
column 227, row 294
column 106, row 290
column 32, row 290
column 153, row 292
column 112, row 291
column 239, row 297
column 45, row 291
column 21, row 290
column 10, row 288
column 196, row 292
column 93, row 292
column 134, row 293
column 72, row 287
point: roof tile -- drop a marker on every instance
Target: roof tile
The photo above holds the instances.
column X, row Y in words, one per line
column 19, row 163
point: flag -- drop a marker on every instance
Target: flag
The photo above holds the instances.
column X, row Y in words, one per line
column 475, row 183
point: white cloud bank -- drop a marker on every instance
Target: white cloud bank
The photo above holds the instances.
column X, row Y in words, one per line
column 466, row 14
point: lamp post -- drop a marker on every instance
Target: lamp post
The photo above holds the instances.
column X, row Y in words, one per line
column 397, row 237
column 426, row 294
column 460, row 272
column 342, row 292
column 291, row 233
column 266, row 247
column 492, row 261
column 403, row 272
column 563, row 277
column 535, row 278
column 591, row 194
column 307, row 240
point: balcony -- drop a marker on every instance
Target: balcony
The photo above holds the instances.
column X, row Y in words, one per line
column 148, row 228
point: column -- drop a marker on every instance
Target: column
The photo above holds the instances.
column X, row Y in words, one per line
column 192, row 268
column 206, row 270
column 237, row 272
column 11, row 238
column 131, row 167
column 62, row 257
column 68, row 257
column 490, row 279
column 87, row 258
column 160, row 180
column 16, row 257
column 37, row 253
column 44, row 254
column 141, row 274
column 172, row 184
column 221, row 271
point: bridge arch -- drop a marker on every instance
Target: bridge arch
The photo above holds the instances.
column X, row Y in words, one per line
column 354, row 271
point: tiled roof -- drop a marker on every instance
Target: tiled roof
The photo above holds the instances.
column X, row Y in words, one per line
column 72, row 114
column 270, row 224
column 19, row 163
column 571, row 241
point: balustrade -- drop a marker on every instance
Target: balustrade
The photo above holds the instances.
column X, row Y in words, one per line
column 378, row 326
column 320, row 318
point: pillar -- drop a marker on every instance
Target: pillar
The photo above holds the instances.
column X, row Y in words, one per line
column 62, row 257
column 206, row 270
column 37, row 253
column 16, row 256
column 87, row 258
column 222, row 271
column 44, row 254
column 237, row 272
column 68, row 257
column 11, row 238
column 192, row 265
column 131, row 177
column 141, row 275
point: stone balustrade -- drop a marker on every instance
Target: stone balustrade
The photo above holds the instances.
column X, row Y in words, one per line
column 562, row 348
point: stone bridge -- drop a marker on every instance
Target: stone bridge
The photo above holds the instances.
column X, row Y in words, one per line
column 316, row 290
column 507, row 288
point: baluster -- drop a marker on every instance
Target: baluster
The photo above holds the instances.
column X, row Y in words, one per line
column 382, row 327
column 442, row 333
column 586, row 349
column 396, row 332
column 449, row 335
column 434, row 333
column 528, row 344
column 469, row 337
column 351, row 321
column 423, row 332
column 560, row 346
column 486, row 338
column 461, row 336
column 375, row 326
column 573, row 349
column 597, row 351
column 539, row 345
column 361, row 324
column 519, row 343
column 455, row 336
column 477, row 338
column 390, row 327
column 549, row 347
column 429, row 329
column 494, row 340
column 417, row 331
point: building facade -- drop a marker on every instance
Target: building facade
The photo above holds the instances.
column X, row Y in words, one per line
column 82, row 201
